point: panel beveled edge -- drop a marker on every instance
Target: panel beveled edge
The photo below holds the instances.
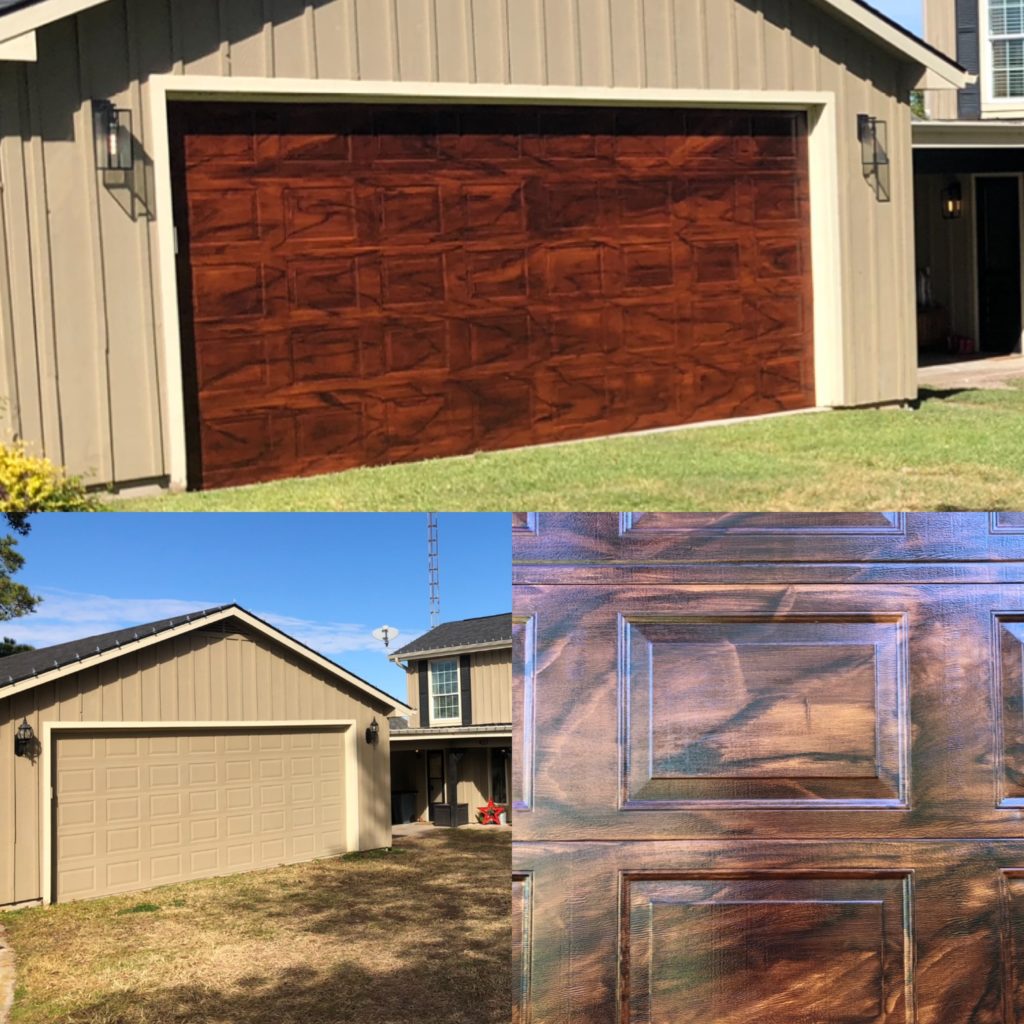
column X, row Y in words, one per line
column 524, row 710
column 1006, row 522
column 903, row 900
column 894, row 525
column 898, row 768
column 524, row 522
column 522, row 1007
column 1007, row 707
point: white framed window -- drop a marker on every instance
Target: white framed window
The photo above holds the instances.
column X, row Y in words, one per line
column 1006, row 48
column 445, row 700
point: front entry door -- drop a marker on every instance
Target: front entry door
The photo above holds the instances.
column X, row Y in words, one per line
column 999, row 264
column 769, row 769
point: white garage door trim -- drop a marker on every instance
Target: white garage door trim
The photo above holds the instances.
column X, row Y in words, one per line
column 823, row 150
column 52, row 729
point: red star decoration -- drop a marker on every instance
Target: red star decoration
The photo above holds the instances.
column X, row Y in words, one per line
column 491, row 813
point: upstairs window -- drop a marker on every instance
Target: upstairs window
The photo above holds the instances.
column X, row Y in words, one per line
column 445, row 705
column 1006, row 37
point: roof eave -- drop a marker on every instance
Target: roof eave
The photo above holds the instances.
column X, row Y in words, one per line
column 438, row 652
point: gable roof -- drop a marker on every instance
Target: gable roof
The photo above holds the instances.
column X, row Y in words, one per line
column 487, row 631
column 20, row 16
column 19, row 672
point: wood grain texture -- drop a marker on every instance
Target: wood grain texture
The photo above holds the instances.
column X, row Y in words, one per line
column 371, row 284
column 758, row 798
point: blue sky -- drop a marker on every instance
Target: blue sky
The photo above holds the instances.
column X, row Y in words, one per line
column 327, row 579
column 906, row 12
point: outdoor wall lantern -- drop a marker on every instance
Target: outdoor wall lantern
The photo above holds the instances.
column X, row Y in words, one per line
column 952, row 201
column 24, row 740
column 112, row 131
column 372, row 732
column 874, row 143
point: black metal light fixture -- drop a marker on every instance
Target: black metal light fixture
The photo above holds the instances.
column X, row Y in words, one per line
column 372, row 732
column 952, row 201
column 873, row 135
column 24, row 739
column 112, row 132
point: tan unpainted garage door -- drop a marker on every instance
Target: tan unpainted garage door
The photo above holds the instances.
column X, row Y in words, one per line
column 137, row 809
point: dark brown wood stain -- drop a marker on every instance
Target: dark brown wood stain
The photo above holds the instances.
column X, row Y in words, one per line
column 372, row 284
column 769, row 768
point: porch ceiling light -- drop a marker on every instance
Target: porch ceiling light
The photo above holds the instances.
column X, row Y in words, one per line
column 24, row 739
column 112, row 132
column 873, row 135
column 952, row 201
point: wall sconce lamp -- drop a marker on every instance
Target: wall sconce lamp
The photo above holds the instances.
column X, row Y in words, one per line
column 952, row 201
column 112, row 133
column 873, row 135
column 372, row 732
column 24, row 740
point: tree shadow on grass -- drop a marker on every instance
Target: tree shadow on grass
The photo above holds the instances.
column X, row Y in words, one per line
column 452, row 989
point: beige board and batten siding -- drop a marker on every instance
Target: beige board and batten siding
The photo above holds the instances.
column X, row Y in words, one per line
column 84, row 374
column 490, row 684
column 940, row 31
column 200, row 676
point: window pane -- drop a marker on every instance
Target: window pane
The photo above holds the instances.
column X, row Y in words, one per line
column 444, row 688
column 1006, row 17
column 1008, row 67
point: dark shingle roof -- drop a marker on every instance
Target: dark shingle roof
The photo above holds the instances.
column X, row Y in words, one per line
column 464, row 633
column 16, row 667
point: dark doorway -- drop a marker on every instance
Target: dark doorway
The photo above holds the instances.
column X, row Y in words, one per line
column 999, row 264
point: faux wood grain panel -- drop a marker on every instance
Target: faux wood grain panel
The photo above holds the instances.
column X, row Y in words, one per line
column 533, row 274
column 777, row 767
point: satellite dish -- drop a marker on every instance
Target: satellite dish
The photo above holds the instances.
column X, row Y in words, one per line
column 385, row 633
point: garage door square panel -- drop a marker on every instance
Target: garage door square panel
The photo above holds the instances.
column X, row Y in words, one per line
column 787, row 949
column 802, row 713
column 454, row 216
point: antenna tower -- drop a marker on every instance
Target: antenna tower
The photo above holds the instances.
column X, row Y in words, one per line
column 432, row 569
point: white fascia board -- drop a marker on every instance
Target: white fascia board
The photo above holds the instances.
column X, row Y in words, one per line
column 895, row 39
column 968, row 134
column 28, row 19
column 440, row 652
column 21, row 47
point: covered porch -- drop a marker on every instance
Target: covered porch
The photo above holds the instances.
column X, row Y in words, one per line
column 969, row 212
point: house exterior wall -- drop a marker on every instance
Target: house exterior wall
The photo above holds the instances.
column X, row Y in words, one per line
column 198, row 676
column 83, row 372
column 940, row 31
column 490, row 684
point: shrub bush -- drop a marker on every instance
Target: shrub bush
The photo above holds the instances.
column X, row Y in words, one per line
column 29, row 484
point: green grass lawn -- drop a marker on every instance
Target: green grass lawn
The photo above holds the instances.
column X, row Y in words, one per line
column 960, row 450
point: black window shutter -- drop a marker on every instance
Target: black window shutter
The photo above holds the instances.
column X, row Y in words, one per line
column 968, row 55
column 466, row 691
column 424, row 696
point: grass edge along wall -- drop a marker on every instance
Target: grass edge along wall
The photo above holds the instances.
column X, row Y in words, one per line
column 92, row 368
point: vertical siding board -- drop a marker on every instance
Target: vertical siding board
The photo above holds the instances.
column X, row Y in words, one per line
column 375, row 34
column 197, row 22
column 594, row 30
column 264, row 696
column 242, row 22
column 750, row 73
column 720, row 43
column 490, row 40
column 250, row 701
column 10, row 402
column 27, row 780
column 659, row 46
column 627, row 43
column 528, row 59
column 201, row 676
column 417, row 45
column 775, row 21
column 690, row 44
column 561, row 29
column 336, row 47
column 131, row 696
column 233, row 677
column 184, row 678
column 8, row 799
column 218, row 680
column 292, row 57
column 451, row 35
column 20, row 313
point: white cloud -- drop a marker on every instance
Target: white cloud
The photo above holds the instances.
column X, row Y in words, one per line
column 66, row 615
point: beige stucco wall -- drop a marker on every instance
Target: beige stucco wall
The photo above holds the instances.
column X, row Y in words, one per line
column 490, row 683
column 196, row 677
column 83, row 371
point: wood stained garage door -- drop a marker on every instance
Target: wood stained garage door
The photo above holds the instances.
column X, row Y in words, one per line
column 138, row 809
column 769, row 768
column 366, row 284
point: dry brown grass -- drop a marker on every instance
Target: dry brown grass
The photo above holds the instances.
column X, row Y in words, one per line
column 420, row 935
